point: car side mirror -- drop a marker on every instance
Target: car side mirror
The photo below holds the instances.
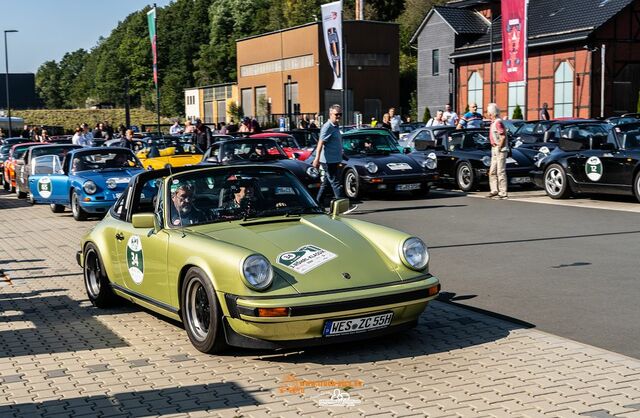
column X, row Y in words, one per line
column 143, row 220
column 406, row 150
column 548, row 136
column 339, row 206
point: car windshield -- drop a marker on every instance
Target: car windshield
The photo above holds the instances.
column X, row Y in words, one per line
column 406, row 128
column 250, row 150
column 154, row 148
column 628, row 135
column 478, row 140
column 18, row 152
column 368, row 143
column 512, row 125
column 104, row 159
column 60, row 151
column 583, row 131
column 286, row 141
column 243, row 193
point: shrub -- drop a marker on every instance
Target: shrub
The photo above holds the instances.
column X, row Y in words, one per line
column 426, row 115
column 517, row 113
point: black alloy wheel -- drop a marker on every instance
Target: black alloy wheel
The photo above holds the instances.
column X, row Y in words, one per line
column 201, row 313
column 351, row 184
column 78, row 213
column 96, row 281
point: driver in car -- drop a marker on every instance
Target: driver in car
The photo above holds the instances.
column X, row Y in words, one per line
column 368, row 145
column 183, row 211
column 244, row 195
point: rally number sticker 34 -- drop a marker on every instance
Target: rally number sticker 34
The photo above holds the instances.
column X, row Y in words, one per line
column 594, row 168
column 305, row 258
column 135, row 259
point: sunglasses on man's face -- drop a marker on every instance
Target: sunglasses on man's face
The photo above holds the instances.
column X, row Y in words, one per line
column 337, row 114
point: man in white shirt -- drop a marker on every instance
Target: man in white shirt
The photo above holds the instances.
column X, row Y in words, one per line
column 438, row 120
column 450, row 117
column 175, row 129
column 396, row 120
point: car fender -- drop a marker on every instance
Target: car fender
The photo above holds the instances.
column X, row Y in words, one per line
column 101, row 237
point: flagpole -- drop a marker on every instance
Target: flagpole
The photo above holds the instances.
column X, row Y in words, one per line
column 526, row 59
column 155, row 19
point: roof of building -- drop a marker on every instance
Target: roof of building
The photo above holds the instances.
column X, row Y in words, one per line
column 461, row 21
column 359, row 22
column 550, row 22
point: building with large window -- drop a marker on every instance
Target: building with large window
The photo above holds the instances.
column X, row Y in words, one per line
column 210, row 103
column 287, row 73
column 566, row 43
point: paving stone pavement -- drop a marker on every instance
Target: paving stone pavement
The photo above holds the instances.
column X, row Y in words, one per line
column 59, row 356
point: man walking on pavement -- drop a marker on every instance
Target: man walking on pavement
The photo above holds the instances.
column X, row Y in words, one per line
column 329, row 154
column 499, row 151
column 396, row 120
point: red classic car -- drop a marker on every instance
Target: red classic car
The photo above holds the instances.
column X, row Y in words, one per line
column 287, row 142
column 9, row 174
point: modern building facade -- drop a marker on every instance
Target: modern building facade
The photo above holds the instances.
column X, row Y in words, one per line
column 287, row 72
column 566, row 42
column 210, row 103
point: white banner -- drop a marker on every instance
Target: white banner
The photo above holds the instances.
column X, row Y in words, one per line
column 332, row 30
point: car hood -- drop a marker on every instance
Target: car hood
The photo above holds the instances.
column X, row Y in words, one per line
column 389, row 164
column 100, row 176
column 311, row 253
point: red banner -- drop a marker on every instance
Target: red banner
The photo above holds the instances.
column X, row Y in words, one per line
column 514, row 40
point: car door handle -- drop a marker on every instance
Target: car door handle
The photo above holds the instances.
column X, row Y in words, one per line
column 120, row 236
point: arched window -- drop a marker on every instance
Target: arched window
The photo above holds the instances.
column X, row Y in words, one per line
column 563, row 91
column 475, row 90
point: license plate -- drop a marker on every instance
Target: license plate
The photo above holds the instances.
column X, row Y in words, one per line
column 520, row 180
column 412, row 186
column 355, row 325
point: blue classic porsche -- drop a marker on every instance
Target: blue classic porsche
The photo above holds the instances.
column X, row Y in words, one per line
column 88, row 179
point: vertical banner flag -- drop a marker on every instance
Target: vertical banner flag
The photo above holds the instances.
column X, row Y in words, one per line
column 332, row 30
column 151, row 19
column 514, row 40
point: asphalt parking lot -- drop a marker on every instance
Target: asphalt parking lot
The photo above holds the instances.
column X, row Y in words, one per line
column 59, row 356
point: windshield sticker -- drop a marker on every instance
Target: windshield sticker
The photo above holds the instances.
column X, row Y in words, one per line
column 135, row 259
column 399, row 166
column 44, row 187
column 594, row 168
column 285, row 190
column 305, row 258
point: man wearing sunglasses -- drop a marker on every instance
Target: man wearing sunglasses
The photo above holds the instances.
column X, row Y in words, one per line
column 329, row 153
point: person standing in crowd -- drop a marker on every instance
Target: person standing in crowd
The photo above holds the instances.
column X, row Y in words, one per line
column 175, row 129
column 1, row 134
column 26, row 133
column 544, row 112
column 98, row 131
column 127, row 140
column 386, row 121
column 499, row 152
column 450, row 116
column 188, row 127
column 202, row 135
column 437, row 120
column 329, row 153
column 44, row 137
column 75, row 139
column 471, row 119
column 395, row 121
column 232, row 128
column 107, row 134
column 374, row 122
column 246, row 125
column 254, row 126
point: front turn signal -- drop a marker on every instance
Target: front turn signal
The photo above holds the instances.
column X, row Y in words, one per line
column 273, row 312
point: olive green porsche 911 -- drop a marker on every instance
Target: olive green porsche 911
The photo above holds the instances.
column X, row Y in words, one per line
column 244, row 257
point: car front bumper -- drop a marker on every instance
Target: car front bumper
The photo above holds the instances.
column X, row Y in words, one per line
column 307, row 314
column 389, row 182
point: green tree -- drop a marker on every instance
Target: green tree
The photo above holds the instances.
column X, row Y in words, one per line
column 413, row 106
column 71, row 66
column 426, row 115
column 517, row 112
column 235, row 111
column 48, row 85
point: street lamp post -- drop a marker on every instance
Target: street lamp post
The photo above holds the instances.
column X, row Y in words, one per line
column 6, row 78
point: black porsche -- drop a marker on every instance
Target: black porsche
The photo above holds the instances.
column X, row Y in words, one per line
column 587, row 162
column 464, row 157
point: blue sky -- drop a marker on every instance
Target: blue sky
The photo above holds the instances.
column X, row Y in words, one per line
column 50, row 28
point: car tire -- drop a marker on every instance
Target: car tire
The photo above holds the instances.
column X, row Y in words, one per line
column 56, row 208
column 636, row 185
column 96, row 281
column 555, row 182
column 78, row 213
column 351, row 184
column 422, row 192
column 30, row 199
column 201, row 313
column 465, row 178
column 20, row 193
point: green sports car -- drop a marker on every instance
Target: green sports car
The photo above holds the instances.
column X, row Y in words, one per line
column 243, row 256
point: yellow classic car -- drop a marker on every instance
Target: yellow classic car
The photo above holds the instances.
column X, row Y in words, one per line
column 156, row 153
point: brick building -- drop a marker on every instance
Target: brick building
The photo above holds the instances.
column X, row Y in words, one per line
column 564, row 65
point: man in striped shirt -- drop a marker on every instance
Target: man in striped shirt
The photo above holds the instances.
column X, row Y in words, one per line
column 471, row 119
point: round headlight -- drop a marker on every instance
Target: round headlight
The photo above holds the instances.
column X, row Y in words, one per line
column 539, row 156
column 90, row 187
column 371, row 167
column 430, row 163
column 544, row 150
column 313, row 172
column 415, row 254
column 486, row 160
column 257, row 272
column 111, row 183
